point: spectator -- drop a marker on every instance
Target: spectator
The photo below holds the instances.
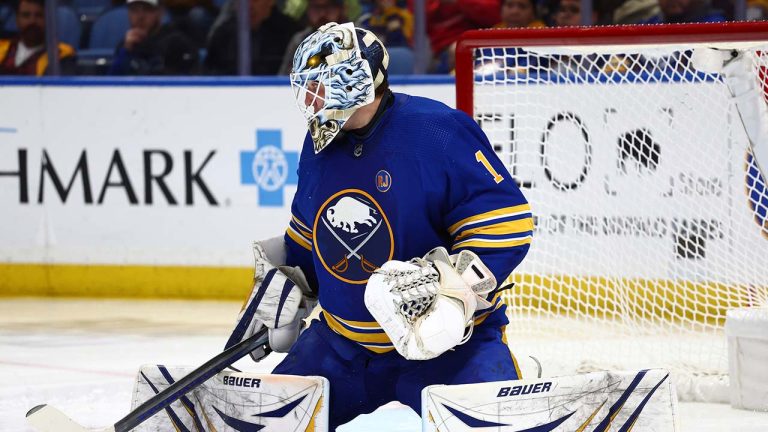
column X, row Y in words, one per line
column 448, row 19
column 26, row 53
column 757, row 10
column 270, row 32
column 514, row 14
column 7, row 19
column 635, row 11
column 150, row 47
column 297, row 9
column 227, row 10
column 519, row 13
column 681, row 11
column 192, row 17
column 568, row 13
column 392, row 24
column 319, row 12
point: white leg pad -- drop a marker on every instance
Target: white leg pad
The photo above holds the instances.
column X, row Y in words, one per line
column 236, row 401
column 596, row 401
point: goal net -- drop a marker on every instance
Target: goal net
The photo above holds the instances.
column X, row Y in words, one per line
column 651, row 214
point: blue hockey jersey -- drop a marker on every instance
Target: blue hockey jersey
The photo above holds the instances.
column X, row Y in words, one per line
column 423, row 176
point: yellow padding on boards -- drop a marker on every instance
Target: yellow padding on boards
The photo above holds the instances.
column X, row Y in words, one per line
column 663, row 300
column 126, row 281
column 658, row 299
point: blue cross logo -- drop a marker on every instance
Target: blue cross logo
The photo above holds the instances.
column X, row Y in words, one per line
column 269, row 167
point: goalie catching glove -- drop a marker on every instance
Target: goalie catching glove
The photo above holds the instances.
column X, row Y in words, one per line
column 426, row 306
column 280, row 300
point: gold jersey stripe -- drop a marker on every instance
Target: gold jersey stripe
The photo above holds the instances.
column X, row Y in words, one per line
column 486, row 243
column 509, row 227
column 480, row 319
column 301, row 224
column 491, row 215
column 301, row 229
column 307, row 235
column 353, row 336
column 372, row 325
column 298, row 238
column 514, row 360
column 495, row 298
column 495, row 304
column 378, row 350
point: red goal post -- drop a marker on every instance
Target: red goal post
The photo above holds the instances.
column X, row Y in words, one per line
column 598, row 35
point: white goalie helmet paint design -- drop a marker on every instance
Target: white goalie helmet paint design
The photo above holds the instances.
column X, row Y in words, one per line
column 336, row 71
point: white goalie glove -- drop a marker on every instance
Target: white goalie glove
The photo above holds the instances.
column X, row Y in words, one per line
column 426, row 305
column 280, row 300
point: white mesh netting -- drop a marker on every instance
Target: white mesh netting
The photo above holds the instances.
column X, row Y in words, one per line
column 650, row 213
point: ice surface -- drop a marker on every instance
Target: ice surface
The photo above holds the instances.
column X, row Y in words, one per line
column 81, row 356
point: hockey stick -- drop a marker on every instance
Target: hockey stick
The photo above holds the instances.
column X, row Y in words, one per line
column 46, row 418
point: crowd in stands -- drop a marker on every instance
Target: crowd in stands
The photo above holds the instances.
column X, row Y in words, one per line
column 193, row 37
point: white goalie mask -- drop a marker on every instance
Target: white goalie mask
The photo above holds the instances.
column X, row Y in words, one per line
column 335, row 72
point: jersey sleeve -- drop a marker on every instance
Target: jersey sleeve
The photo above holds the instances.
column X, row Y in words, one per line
column 299, row 241
column 486, row 211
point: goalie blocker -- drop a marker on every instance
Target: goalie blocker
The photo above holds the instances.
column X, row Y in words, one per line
column 640, row 401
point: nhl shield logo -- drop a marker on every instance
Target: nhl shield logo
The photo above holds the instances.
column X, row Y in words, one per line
column 352, row 236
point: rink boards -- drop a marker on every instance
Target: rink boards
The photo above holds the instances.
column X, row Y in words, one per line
column 148, row 188
column 153, row 188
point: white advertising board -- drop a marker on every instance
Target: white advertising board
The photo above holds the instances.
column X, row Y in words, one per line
column 189, row 175
column 149, row 175
column 663, row 182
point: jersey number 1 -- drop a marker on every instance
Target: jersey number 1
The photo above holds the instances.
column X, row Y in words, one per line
column 480, row 157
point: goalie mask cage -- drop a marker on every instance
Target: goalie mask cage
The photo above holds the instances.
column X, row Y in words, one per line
column 651, row 216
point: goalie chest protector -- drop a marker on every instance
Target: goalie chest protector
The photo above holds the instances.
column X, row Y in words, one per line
column 424, row 175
